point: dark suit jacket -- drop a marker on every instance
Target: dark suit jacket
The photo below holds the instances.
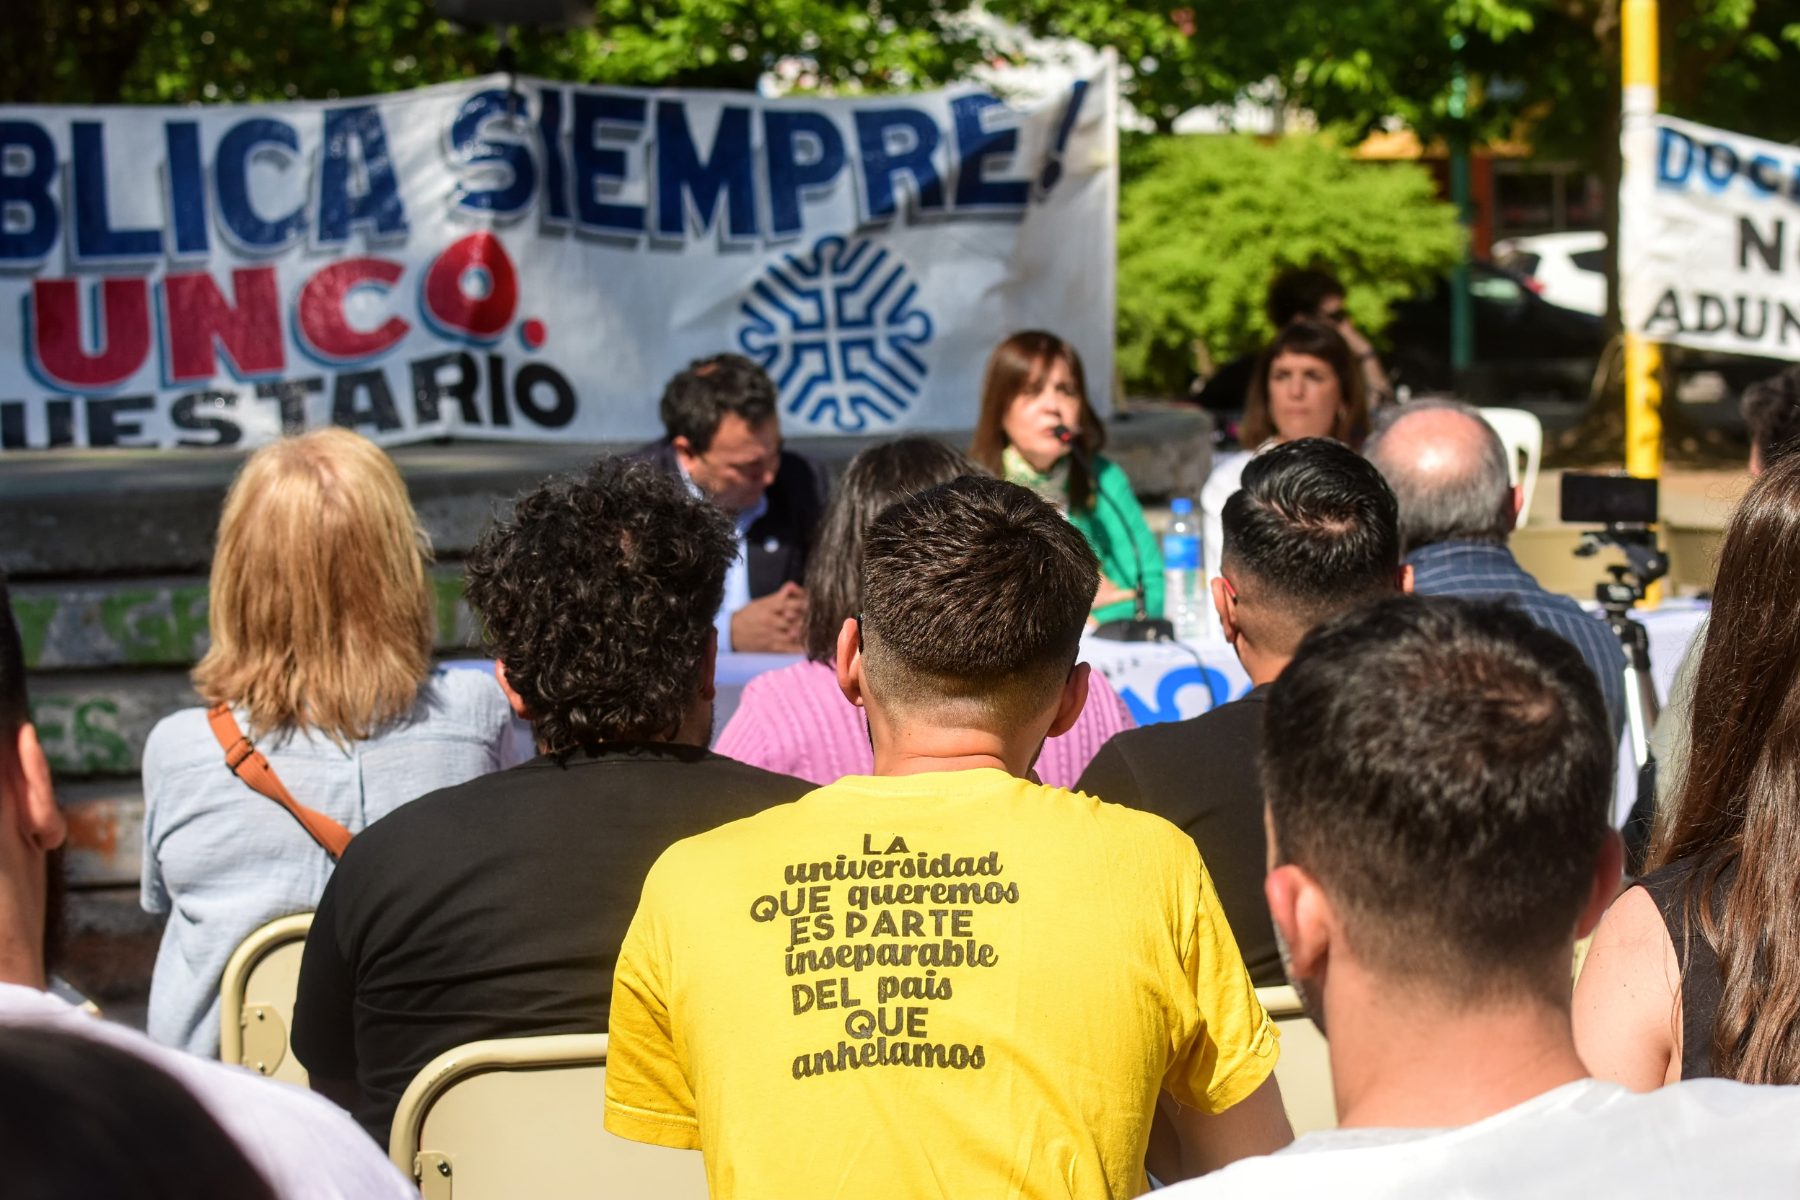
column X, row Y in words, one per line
column 1201, row 775
column 779, row 541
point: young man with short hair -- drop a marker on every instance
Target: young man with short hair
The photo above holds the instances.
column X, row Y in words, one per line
column 495, row 908
column 1311, row 534
column 944, row 979
column 1438, row 774
column 301, row 1144
column 723, row 437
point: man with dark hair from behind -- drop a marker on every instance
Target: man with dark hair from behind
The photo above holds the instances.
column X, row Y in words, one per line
column 722, row 434
column 944, row 979
column 1458, row 507
column 1438, row 774
column 299, row 1143
column 1311, row 534
column 496, row 908
column 1771, row 411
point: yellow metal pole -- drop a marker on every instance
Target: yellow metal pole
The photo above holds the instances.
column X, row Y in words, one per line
column 1643, row 407
column 1643, row 358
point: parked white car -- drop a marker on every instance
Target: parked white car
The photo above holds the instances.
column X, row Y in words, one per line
column 1567, row 269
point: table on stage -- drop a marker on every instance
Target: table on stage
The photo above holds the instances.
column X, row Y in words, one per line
column 1171, row 681
column 1159, row 681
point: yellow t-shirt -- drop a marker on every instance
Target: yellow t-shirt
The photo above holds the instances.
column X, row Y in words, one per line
column 958, row 984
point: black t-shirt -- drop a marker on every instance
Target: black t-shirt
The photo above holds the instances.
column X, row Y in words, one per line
column 496, row 908
column 1200, row 774
column 1676, row 890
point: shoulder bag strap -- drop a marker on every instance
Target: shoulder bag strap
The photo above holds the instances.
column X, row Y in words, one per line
column 249, row 765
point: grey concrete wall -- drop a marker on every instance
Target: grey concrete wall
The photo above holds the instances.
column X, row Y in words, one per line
column 107, row 553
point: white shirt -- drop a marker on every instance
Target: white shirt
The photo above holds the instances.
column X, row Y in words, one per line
column 304, row 1145
column 223, row 861
column 1701, row 1138
column 1224, row 481
column 737, row 575
column 1226, row 477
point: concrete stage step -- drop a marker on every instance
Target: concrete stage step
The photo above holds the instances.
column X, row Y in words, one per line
column 107, row 552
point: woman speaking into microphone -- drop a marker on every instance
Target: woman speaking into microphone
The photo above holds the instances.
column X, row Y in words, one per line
column 1038, row 430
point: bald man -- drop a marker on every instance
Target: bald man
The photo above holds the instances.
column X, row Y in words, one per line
column 1458, row 507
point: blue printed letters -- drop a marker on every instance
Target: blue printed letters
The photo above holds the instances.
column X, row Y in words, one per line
column 895, row 141
column 356, row 177
column 231, row 173
column 27, row 193
column 95, row 238
column 977, row 144
column 187, row 189
column 470, row 145
column 791, row 176
column 680, row 170
column 593, row 166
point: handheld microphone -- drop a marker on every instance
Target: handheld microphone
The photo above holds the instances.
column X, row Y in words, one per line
column 1140, row 626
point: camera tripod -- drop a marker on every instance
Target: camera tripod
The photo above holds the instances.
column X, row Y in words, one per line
column 1644, row 564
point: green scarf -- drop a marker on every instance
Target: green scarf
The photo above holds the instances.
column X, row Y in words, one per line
column 1051, row 485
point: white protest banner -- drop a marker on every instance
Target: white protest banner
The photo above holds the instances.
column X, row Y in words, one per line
column 533, row 262
column 1704, row 256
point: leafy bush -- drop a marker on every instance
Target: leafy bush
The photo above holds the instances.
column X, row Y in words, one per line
column 1207, row 221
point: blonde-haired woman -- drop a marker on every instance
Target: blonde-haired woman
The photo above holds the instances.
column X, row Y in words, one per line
column 321, row 622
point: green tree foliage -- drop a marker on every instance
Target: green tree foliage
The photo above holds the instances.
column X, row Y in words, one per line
column 1206, row 222
column 1549, row 64
column 1357, row 63
column 175, row 51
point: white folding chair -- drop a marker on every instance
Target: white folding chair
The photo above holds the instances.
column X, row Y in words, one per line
column 256, row 999
column 1304, row 1071
column 1523, row 436
column 517, row 1117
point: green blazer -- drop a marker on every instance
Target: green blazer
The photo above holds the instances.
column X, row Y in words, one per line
column 1112, row 523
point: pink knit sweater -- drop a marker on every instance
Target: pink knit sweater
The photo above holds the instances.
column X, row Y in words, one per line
column 795, row 721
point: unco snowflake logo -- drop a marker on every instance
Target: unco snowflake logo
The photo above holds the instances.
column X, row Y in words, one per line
column 838, row 332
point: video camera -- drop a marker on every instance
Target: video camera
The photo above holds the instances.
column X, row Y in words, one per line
column 1626, row 507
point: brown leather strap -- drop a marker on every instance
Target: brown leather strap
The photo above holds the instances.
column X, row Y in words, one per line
column 249, row 765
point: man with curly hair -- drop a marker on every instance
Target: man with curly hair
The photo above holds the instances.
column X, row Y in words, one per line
column 496, row 908
column 945, row 979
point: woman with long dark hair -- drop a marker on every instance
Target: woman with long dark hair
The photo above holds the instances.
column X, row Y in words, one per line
column 795, row 720
column 1696, row 971
column 1035, row 384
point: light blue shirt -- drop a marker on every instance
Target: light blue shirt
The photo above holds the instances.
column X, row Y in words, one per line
column 737, row 575
column 222, row 860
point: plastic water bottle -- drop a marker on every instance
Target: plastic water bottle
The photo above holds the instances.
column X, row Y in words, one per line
column 1183, row 588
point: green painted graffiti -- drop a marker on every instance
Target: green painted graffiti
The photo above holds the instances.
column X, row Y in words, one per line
column 33, row 616
column 81, row 737
column 148, row 631
column 92, row 626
